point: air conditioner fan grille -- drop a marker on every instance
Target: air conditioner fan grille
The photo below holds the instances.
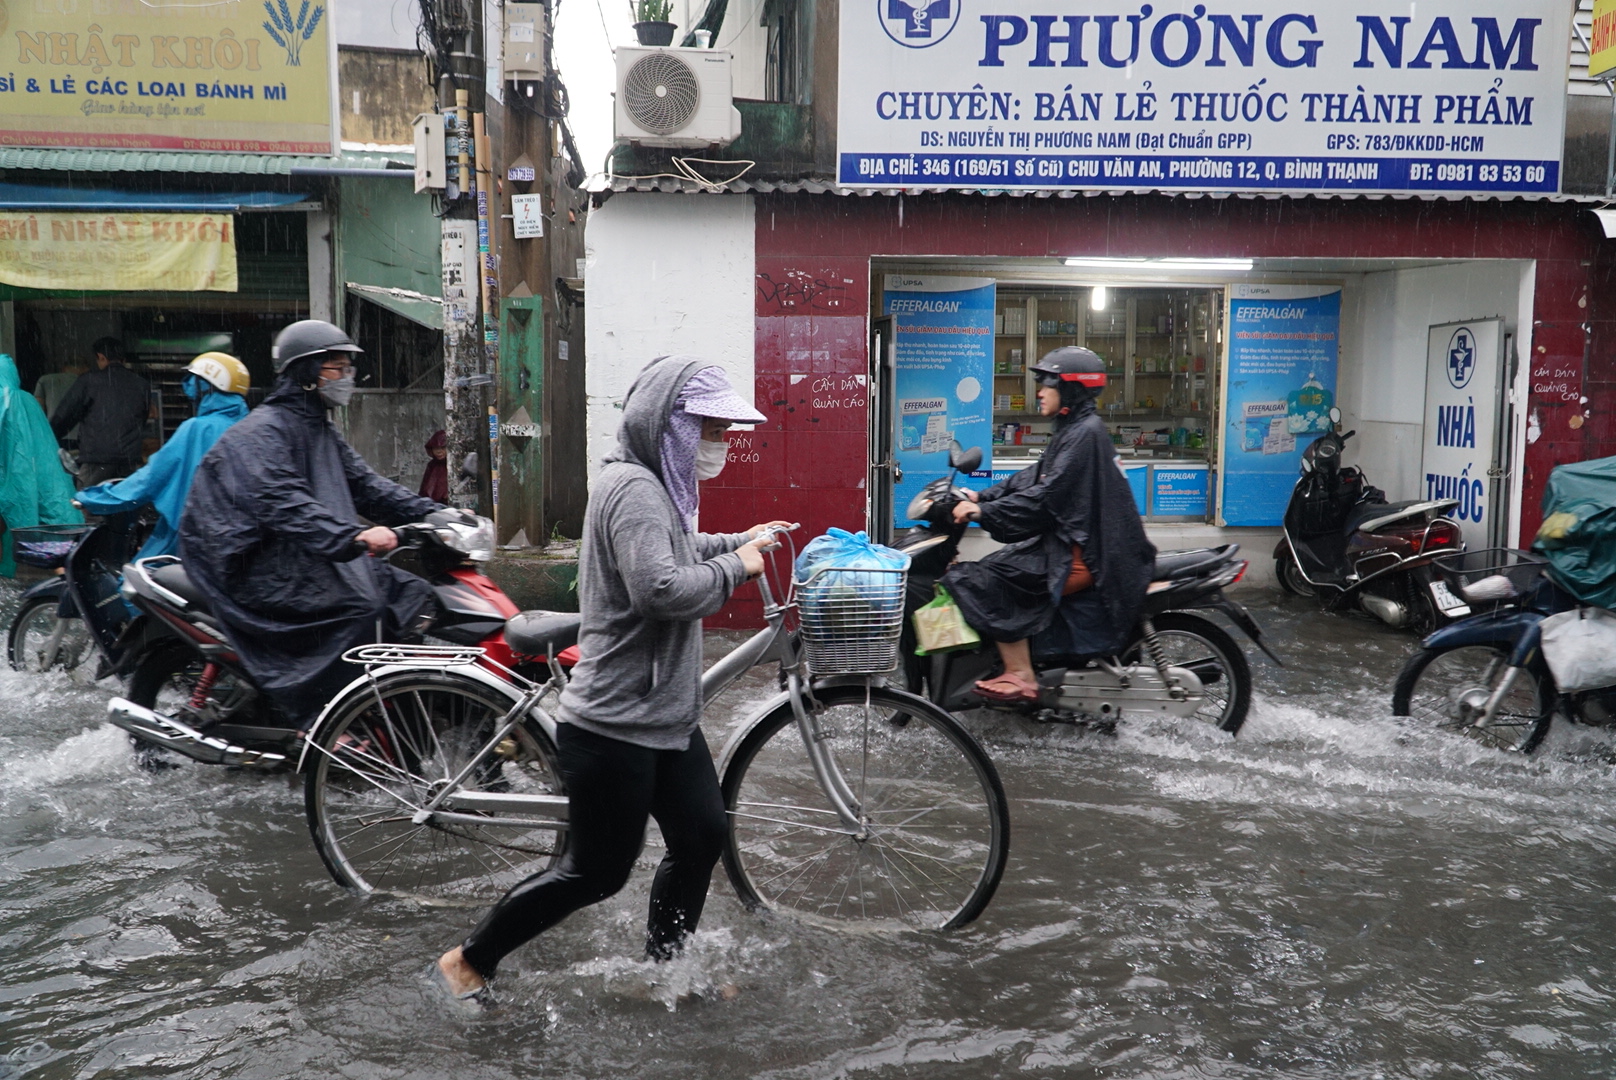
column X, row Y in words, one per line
column 661, row 93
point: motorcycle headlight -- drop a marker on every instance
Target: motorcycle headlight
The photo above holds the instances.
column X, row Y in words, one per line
column 475, row 542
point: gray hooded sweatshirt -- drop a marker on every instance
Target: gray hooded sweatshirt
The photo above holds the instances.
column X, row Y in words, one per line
column 644, row 584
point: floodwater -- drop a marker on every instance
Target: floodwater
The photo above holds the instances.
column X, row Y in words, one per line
column 1332, row 894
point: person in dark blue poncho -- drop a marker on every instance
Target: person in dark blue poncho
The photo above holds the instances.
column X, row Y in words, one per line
column 34, row 489
column 217, row 383
column 272, row 535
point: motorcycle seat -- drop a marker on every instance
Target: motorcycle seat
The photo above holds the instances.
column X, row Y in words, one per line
column 1178, row 564
column 172, row 576
column 1367, row 513
column 539, row 633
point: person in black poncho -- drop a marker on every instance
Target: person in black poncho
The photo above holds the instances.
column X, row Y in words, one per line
column 1074, row 574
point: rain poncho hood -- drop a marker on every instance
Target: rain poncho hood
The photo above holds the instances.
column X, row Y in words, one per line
column 1578, row 534
column 34, row 488
column 645, row 581
column 268, row 535
column 1074, row 494
column 165, row 480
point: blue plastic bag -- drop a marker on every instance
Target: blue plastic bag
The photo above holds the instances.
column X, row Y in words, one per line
column 838, row 547
column 845, row 589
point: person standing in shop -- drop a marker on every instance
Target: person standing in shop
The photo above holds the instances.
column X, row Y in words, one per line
column 110, row 406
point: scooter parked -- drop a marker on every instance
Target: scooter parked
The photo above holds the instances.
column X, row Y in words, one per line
column 189, row 693
column 1176, row 662
column 1349, row 547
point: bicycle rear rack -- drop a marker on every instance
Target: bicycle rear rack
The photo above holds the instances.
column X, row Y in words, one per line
column 438, row 656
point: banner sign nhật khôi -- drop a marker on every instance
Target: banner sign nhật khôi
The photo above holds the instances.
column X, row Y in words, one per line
column 119, row 252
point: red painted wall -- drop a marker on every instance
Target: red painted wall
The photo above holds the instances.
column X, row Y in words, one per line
column 813, row 289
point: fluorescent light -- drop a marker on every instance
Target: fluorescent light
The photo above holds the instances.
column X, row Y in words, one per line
column 1123, row 263
column 1097, row 298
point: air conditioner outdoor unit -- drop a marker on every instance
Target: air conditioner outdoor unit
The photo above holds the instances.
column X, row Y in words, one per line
column 675, row 97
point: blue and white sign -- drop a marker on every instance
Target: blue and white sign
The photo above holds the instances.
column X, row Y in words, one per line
column 1178, row 491
column 1283, row 348
column 1445, row 95
column 943, row 338
column 1462, row 396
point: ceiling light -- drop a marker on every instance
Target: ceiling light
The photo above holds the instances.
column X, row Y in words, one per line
column 1097, row 298
column 1123, row 263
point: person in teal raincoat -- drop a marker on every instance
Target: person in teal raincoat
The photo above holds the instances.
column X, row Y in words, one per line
column 34, row 488
column 218, row 383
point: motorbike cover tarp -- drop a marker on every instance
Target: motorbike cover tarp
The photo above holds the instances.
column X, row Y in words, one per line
column 1076, row 493
column 165, row 480
column 1578, row 534
column 268, row 536
column 34, row 488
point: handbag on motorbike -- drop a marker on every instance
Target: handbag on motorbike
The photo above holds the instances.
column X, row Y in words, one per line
column 940, row 626
column 1580, row 648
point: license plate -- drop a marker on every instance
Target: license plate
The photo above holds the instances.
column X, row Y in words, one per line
column 1446, row 601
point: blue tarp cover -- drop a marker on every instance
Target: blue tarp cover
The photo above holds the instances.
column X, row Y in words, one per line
column 40, row 197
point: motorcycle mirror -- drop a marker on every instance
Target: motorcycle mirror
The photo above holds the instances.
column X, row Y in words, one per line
column 1335, row 415
column 964, row 460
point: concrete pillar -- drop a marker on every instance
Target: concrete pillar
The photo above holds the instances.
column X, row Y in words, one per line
column 321, row 282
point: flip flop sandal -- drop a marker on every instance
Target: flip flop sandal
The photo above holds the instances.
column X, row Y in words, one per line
column 1006, row 689
column 467, row 1002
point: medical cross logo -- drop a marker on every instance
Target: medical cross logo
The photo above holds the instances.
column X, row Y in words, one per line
column 920, row 24
column 1461, row 357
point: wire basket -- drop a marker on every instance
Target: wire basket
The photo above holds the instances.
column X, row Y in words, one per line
column 45, row 546
column 851, row 619
column 1491, row 575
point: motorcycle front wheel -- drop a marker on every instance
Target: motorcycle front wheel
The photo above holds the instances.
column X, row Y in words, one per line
column 1447, row 687
column 1190, row 641
column 936, row 822
column 40, row 640
column 388, row 749
column 1290, row 575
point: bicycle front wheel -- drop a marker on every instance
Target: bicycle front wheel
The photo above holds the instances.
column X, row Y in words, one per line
column 387, row 750
column 936, row 823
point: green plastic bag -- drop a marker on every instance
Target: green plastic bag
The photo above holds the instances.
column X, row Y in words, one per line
column 940, row 626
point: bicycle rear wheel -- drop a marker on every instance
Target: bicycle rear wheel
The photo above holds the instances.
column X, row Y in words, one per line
column 937, row 821
column 387, row 750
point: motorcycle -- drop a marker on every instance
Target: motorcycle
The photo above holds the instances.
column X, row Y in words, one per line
column 76, row 613
column 1176, row 662
column 1346, row 545
column 189, row 693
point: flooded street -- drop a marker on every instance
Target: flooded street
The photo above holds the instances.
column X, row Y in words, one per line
column 1332, row 894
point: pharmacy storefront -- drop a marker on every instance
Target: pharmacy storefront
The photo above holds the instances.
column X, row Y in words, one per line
column 1251, row 218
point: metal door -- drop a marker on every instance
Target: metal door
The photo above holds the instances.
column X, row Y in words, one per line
column 883, row 468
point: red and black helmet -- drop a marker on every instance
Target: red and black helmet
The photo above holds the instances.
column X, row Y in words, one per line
column 1070, row 364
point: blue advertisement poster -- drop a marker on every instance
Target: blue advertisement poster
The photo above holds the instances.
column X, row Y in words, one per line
column 943, row 337
column 1280, row 387
column 1178, row 492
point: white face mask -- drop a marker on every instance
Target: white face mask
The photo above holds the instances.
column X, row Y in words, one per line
column 710, row 458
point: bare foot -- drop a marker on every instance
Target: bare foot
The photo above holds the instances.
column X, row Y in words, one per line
column 461, row 976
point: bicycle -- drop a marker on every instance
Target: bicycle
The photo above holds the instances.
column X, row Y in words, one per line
column 433, row 775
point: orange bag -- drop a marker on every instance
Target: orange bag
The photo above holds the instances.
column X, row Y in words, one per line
column 1078, row 578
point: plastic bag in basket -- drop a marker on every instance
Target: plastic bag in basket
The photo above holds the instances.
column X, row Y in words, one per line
column 850, row 553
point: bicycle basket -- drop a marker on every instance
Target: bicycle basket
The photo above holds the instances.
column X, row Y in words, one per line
column 1491, row 575
column 45, row 546
column 851, row 619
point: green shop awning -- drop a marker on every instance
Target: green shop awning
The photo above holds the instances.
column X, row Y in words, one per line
column 414, row 306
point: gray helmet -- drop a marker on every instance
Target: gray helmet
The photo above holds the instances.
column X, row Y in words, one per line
column 1071, row 364
column 310, row 337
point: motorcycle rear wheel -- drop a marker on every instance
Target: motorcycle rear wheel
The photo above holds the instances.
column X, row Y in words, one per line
column 1436, row 684
column 1290, row 576
column 385, row 750
column 1191, row 641
column 164, row 681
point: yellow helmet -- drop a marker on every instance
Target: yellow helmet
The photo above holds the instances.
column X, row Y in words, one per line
column 227, row 374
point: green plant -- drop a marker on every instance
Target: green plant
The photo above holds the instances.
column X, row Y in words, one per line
column 653, row 10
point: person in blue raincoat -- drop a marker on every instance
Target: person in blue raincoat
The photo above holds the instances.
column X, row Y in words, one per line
column 218, row 384
column 34, row 488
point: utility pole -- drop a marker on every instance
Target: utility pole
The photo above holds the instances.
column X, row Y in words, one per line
column 469, row 352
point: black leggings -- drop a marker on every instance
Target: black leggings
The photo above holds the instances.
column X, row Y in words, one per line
column 612, row 787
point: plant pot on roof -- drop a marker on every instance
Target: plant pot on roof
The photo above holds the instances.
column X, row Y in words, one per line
column 651, row 24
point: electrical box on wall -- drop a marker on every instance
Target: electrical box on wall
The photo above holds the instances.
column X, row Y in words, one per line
column 524, row 42
column 431, row 161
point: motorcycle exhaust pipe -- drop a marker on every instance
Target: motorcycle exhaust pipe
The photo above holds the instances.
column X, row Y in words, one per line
column 1387, row 611
column 171, row 734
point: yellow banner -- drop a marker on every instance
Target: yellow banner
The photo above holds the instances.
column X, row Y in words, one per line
column 238, row 76
column 119, row 252
column 1602, row 45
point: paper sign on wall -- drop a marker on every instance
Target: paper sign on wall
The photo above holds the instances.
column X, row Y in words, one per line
column 527, row 216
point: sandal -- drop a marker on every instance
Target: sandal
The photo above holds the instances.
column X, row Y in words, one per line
column 474, row 1002
column 1007, row 688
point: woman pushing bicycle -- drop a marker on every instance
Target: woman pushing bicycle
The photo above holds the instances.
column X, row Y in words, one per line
column 629, row 740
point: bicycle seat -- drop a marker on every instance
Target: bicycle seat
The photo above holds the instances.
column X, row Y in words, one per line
column 539, row 633
column 1177, row 564
column 172, row 576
